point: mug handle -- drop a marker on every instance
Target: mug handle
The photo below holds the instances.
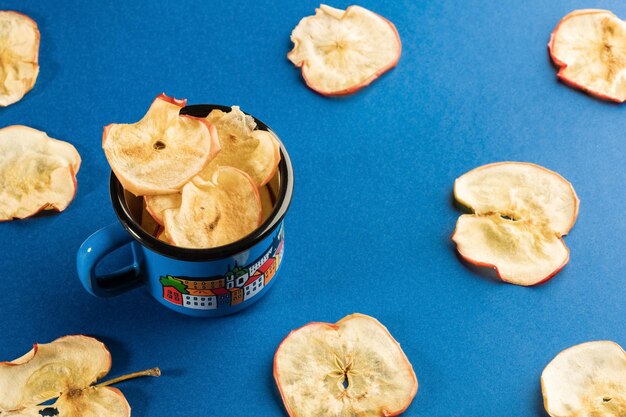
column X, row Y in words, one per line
column 91, row 252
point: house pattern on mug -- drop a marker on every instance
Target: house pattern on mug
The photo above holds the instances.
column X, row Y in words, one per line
column 235, row 286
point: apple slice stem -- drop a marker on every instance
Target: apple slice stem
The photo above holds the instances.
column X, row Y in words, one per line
column 147, row 372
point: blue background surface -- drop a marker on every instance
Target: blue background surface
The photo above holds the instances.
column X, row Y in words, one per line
column 370, row 224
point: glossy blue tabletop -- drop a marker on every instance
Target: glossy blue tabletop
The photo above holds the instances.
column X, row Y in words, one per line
column 370, row 224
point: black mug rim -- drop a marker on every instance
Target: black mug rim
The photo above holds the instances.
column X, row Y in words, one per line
column 283, row 200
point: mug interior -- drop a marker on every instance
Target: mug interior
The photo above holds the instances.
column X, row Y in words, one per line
column 130, row 208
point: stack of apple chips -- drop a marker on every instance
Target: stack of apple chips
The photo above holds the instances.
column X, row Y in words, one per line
column 203, row 182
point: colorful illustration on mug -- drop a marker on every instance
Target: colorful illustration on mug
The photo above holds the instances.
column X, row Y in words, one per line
column 238, row 284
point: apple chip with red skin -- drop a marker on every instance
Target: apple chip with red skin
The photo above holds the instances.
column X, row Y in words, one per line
column 521, row 211
column 163, row 151
column 214, row 213
column 242, row 146
column 36, row 172
column 589, row 47
column 19, row 55
column 63, row 370
column 351, row 368
column 342, row 51
column 588, row 379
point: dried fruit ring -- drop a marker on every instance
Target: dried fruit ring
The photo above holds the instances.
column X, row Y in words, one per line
column 163, row 151
column 342, row 51
column 19, row 56
column 589, row 46
column 351, row 368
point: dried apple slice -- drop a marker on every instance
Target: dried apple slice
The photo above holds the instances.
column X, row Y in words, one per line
column 36, row 172
column 52, row 368
column 64, row 371
column 589, row 47
column 255, row 152
column 215, row 213
column 157, row 204
column 521, row 211
column 19, row 54
column 163, row 151
column 93, row 402
column 148, row 222
column 351, row 368
column 162, row 236
column 588, row 379
column 341, row 52
column 267, row 202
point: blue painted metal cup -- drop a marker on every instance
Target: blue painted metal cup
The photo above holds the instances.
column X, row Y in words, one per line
column 197, row 282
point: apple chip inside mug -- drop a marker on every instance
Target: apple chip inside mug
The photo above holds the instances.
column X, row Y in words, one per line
column 36, row 172
column 215, row 213
column 521, row 211
column 351, row 368
column 157, row 204
column 148, row 222
column 267, row 202
column 242, row 146
column 163, row 151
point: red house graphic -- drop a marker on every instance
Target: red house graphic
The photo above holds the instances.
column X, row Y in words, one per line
column 172, row 295
column 268, row 269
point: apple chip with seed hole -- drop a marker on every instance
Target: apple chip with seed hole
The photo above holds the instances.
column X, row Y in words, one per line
column 351, row 368
column 589, row 47
column 586, row 380
column 163, row 151
column 36, row 172
column 255, row 152
column 19, row 52
column 214, row 213
column 520, row 213
column 342, row 51
column 64, row 371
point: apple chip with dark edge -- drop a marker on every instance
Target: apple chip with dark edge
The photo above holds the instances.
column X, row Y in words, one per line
column 163, row 151
column 342, row 51
column 148, row 223
column 64, row 371
column 267, row 203
column 255, row 152
column 351, row 368
column 19, row 56
column 521, row 211
column 214, row 213
column 587, row 380
column 589, row 47
column 36, row 172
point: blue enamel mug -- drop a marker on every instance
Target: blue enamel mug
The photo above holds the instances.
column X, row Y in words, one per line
column 197, row 282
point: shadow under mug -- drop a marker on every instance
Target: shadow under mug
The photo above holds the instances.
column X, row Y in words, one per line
column 197, row 282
